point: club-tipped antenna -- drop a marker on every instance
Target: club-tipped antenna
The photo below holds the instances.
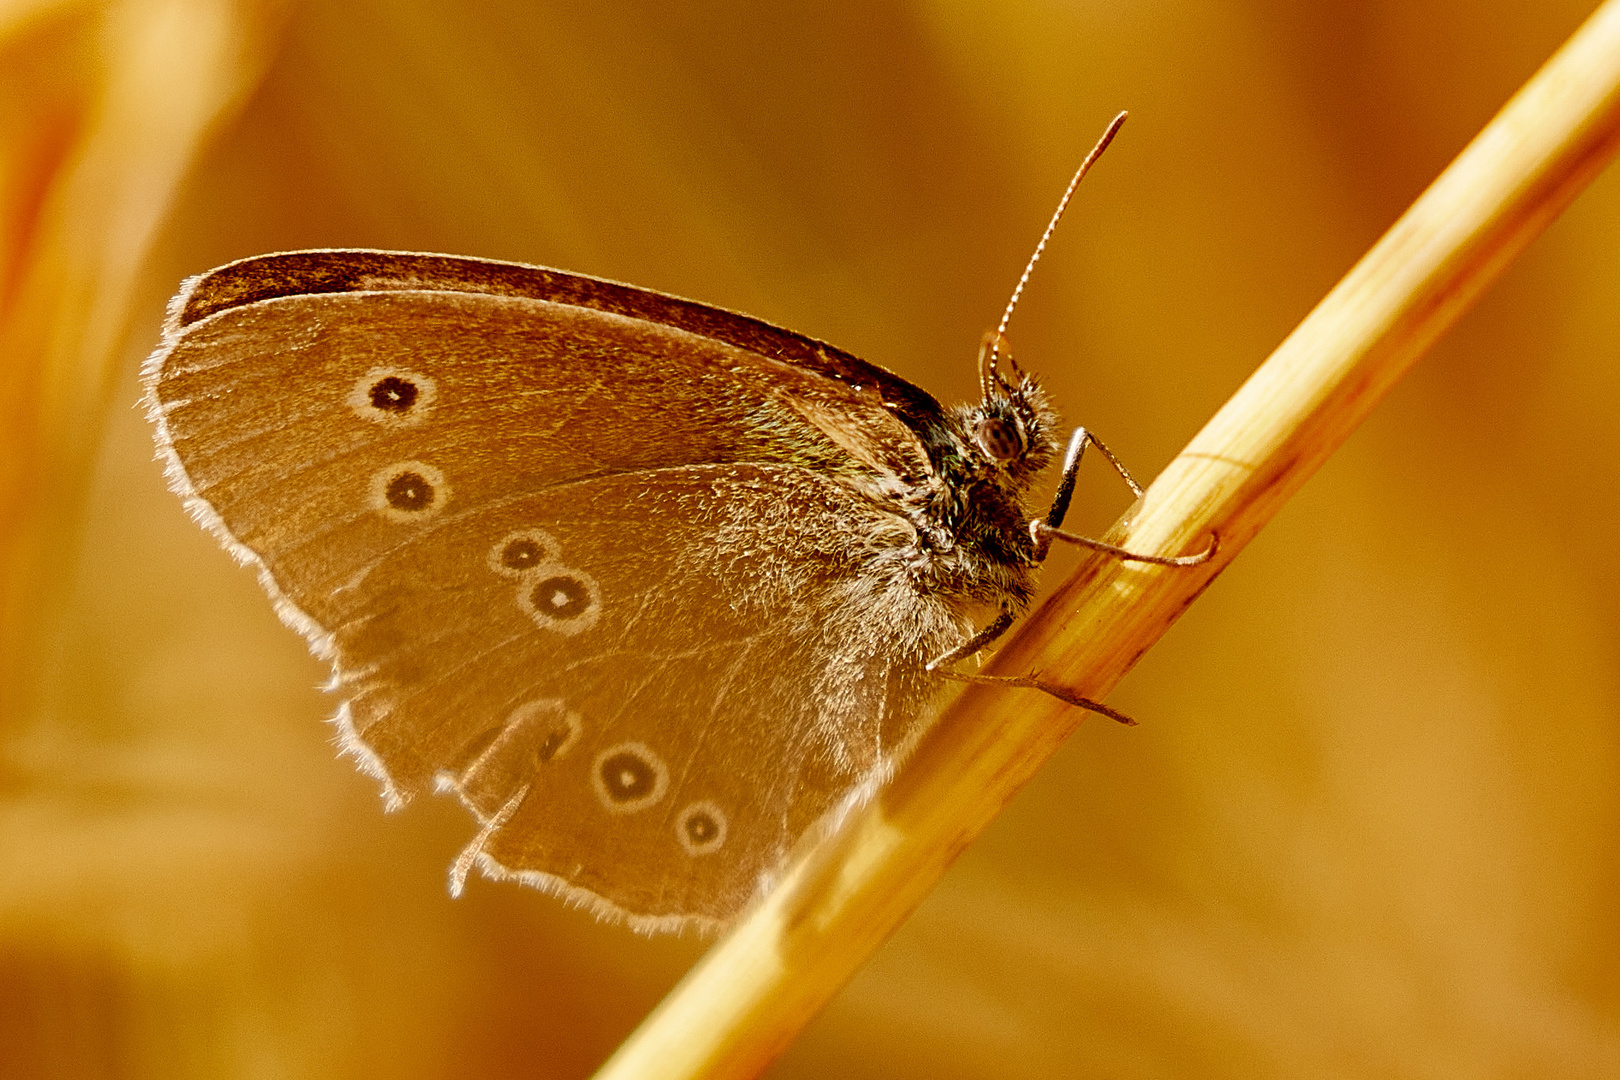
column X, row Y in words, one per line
column 999, row 336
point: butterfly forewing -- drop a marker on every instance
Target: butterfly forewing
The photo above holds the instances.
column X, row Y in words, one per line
column 590, row 571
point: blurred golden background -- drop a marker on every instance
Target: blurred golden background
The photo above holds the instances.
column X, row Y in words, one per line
column 1369, row 825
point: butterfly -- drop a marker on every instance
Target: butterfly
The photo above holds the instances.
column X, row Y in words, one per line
column 651, row 587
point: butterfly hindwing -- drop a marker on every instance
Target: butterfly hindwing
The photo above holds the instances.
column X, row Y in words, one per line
column 614, row 649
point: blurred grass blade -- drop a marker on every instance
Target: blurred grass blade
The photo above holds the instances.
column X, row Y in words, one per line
column 106, row 108
column 752, row 993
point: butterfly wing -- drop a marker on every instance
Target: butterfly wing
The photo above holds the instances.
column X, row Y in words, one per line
column 632, row 590
column 666, row 681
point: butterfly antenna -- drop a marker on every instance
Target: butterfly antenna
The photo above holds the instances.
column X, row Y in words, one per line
column 997, row 338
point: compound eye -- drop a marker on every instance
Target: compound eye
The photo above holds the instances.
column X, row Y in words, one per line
column 999, row 439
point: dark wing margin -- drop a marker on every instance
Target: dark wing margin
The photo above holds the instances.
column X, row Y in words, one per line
column 339, row 270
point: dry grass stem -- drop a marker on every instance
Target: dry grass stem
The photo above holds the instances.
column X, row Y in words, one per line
column 749, row 996
column 112, row 155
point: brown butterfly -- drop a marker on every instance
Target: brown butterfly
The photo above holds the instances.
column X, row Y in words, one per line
column 650, row 586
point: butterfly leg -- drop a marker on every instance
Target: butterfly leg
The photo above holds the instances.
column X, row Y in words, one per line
column 1043, row 532
column 990, row 633
column 973, row 644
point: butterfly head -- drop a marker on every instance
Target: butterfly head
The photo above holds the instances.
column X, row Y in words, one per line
column 1009, row 431
column 991, row 453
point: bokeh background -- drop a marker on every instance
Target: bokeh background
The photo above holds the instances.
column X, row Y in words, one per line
column 1369, row 824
